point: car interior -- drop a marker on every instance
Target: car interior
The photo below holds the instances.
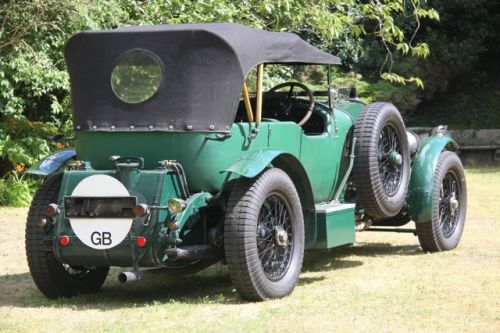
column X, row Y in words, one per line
column 278, row 106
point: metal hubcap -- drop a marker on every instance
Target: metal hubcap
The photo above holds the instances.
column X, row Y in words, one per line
column 390, row 160
column 453, row 205
column 396, row 158
column 281, row 237
column 274, row 237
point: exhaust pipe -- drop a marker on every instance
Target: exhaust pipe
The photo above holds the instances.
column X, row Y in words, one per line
column 125, row 277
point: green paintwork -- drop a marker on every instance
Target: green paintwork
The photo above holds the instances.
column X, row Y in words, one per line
column 422, row 177
column 193, row 206
column 252, row 164
column 335, row 226
column 315, row 163
column 353, row 108
column 205, row 157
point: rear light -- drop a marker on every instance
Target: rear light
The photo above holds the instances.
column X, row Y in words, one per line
column 51, row 210
column 140, row 242
column 63, row 240
column 42, row 222
column 172, row 225
column 141, row 210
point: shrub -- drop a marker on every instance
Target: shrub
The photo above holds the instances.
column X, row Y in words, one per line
column 16, row 191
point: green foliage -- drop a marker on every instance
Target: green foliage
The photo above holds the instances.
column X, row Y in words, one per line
column 473, row 109
column 22, row 141
column 16, row 192
column 464, row 48
column 381, row 90
column 34, row 86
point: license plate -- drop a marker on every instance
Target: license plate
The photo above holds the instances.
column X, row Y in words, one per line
column 99, row 207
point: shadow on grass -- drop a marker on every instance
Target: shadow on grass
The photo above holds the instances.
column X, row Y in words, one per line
column 210, row 286
column 332, row 259
column 379, row 249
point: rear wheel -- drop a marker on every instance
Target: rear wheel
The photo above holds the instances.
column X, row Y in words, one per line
column 449, row 204
column 264, row 236
column 53, row 278
column 382, row 164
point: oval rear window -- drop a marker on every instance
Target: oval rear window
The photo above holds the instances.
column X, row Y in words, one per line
column 136, row 77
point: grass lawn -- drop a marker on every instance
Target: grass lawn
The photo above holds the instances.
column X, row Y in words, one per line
column 382, row 283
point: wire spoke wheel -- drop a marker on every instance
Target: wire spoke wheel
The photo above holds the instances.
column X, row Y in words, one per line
column 449, row 204
column 382, row 165
column 274, row 237
column 264, row 235
column 389, row 160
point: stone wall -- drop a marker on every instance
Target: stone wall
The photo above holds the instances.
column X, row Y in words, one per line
column 477, row 147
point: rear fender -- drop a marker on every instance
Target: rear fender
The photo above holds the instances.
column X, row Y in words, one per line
column 422, row 177
column 52, row 163
column 253, row 164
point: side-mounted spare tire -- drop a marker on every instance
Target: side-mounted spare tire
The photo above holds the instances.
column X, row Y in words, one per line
column 382, row 164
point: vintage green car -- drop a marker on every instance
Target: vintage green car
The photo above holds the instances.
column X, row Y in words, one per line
column 183, row 158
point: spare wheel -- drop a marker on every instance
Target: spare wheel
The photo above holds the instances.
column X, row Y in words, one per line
column 382, row 164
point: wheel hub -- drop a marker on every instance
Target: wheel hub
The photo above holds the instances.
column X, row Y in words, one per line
column 281, row 237
column 453, row 204
column 396, row 158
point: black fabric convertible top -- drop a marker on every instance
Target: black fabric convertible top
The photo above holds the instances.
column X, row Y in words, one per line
column 204, row 66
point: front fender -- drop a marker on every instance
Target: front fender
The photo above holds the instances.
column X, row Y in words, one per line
column 52, row 163
column 422, row 177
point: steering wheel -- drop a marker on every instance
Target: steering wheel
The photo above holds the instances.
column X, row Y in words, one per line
column 286, row 105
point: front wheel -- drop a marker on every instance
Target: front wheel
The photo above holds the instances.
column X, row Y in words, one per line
column 449, row 204
column 264, row 236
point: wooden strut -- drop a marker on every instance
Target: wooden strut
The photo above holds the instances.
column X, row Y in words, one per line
column 248, row 106
column 260, row 74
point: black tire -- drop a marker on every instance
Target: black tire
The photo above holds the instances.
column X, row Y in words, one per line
column 382, row 164
column 444, row 230
column 53, row 278
column 249, row 238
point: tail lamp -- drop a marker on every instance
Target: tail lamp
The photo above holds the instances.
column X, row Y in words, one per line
column 141, row 210
column 172, row 225
column 63, row 240
column 140, row 242
column 51, row 210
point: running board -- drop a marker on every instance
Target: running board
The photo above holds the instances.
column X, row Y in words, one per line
column 409, row 231
column 334, row 225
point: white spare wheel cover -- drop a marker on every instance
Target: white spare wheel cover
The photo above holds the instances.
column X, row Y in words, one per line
column 101, row 233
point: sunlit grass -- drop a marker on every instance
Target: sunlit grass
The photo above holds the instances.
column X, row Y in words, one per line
column 383, row 283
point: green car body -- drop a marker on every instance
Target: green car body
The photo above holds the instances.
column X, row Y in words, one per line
column 198, row 169
column 317, row 165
